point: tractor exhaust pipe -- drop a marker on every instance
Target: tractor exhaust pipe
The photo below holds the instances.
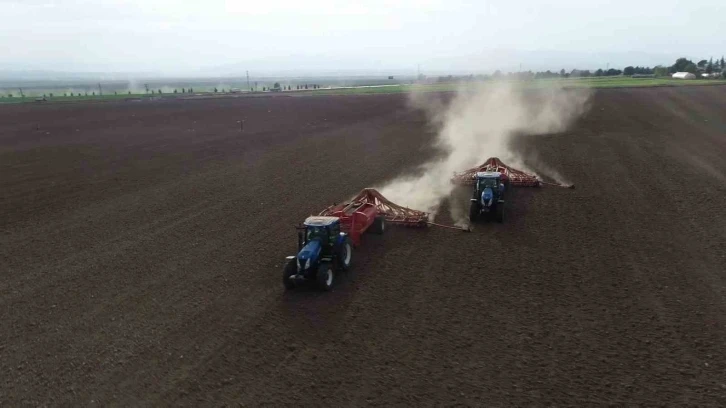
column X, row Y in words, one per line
column 299, row 240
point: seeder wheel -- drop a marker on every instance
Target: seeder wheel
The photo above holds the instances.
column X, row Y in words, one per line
column 379, row 225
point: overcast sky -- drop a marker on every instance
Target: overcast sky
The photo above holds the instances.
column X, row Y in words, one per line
column 226, row 36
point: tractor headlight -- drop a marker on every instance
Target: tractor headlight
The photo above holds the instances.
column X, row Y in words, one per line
column 307, row 264
column 298, row 264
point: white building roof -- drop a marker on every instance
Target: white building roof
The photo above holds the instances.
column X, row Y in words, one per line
column 684, row 75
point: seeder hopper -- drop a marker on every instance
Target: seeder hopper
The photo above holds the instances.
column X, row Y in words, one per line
column 368, row 208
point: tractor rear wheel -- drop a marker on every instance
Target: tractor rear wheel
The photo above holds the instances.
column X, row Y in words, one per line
column 500, row 212
column 473, row 212
column 344, row 254
column 325, row 276
column 379, row 225
column 289, row 271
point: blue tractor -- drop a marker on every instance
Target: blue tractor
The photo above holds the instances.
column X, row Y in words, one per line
column 322, row 250
column 488, row 198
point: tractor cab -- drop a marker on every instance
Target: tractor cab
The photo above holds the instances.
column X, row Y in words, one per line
column 323, row 229
column 489, row 179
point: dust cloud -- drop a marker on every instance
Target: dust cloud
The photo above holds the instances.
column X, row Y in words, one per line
column 479, row 122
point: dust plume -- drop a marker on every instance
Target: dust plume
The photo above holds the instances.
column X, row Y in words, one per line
column 459, row 211
column 478, row 123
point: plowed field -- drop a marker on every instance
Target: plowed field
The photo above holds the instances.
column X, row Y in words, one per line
column 142, row 246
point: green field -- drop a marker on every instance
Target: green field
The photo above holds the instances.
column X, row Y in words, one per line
column 31, row 99
column 608, row 82
column 623, row 82
column 594, row 82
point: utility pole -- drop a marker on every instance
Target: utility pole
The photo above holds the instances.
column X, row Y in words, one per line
column 248, row 79
column 100, row 92
column 21, row 93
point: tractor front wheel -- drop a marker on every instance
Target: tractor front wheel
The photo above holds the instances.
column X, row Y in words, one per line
column 287, row 273
column 325, row 276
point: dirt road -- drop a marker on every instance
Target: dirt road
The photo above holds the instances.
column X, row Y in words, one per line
column 142, row 245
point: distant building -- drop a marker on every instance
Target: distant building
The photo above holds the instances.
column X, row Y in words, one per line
column 683, row 75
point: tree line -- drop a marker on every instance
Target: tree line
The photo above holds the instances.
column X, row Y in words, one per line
column 681, row 65
column 709, row 67
column 276, row 87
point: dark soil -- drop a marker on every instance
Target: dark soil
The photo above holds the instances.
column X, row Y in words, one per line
column 142, row 247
